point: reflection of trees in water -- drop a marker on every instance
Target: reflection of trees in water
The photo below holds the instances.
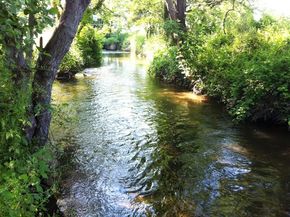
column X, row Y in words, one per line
column 203, row 165
column 69, row 98
column 170, row 169
column 193, row 163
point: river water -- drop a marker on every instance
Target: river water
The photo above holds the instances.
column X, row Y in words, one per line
column 139, row 148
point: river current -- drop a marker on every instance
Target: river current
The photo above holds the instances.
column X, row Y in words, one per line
column 139, row 148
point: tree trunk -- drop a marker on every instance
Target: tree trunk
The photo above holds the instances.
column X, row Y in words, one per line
column 171, row 9
column 17, row 64
column 181, row 9
column 47, row 66
column 175, row 10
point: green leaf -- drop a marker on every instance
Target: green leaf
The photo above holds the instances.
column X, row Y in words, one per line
column 53, row 11
column 26, row 11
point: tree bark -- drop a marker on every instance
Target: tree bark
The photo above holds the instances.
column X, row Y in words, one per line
column 17, row 63
column 176, row 11
column 47, row 66
column 181, row 9
column 171, row 9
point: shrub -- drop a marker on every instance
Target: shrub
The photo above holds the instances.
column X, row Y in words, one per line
column 72, row 62
column 22, row 169
column 126, row 44
column 117, row 38
column 90, row 42
column 248, row 70
column 140, row 41
column 111, row 40
column 250, row 74
column 247, row 66
column 165, row 67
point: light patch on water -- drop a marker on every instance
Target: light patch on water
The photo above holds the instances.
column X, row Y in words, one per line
column 237, row 148
column 184, row 97
column 262, row 135
column 66, row 92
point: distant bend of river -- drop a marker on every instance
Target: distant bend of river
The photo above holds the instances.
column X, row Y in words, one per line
column 138, row 148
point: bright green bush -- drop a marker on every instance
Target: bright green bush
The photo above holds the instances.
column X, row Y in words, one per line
column 247, row 69
column 90, row 44
column 246, row 65
column 250, row 73
column 21, row 167
column 165, row 67
column 111, row 40
column 126, row 44
column 118, row 38
column 140, row 41
column 72, row 61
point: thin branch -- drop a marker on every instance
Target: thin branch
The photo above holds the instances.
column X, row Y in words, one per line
column 99, row 4
column 226, row 16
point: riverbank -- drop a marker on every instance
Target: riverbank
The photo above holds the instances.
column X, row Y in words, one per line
column 260, row 96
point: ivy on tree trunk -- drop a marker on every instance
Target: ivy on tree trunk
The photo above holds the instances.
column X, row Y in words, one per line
column 47, row 66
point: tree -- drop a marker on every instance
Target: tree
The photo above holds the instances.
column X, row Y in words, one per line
column 175, row 10
column 19, row 24
column 47, row 66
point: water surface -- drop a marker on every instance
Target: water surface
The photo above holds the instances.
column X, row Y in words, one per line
column 142, row 149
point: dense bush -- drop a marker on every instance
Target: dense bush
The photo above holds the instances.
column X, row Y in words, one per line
column 165, row 64
column 72, row 63
column 250, row 73
column 120, row 40
column 90, row 44
column 165, row 67
column 246, row 65
column 140, row 41
column 22, row 169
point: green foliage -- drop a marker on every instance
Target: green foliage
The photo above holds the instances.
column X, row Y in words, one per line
column 12, row 114
column 172, row 28
column 250, row 73
column 20, row 185
column 248, row 68
column 21, row 168
column 148, row 14
column 72, row 62
column 15, row 25
column 90, row 42
column 140, row 41
column 166, row 67
column 118, row 38
column 126, row 44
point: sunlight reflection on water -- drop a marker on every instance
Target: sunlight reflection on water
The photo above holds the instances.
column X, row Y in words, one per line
column 141, row 149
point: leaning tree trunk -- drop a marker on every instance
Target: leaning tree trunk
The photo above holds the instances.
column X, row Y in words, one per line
column 47, row 66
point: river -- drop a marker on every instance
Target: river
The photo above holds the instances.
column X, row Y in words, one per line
column 139, row 148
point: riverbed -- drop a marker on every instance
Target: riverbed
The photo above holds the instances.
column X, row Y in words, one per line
column 140, row 148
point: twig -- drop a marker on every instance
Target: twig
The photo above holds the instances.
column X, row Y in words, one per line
column 226, row 16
